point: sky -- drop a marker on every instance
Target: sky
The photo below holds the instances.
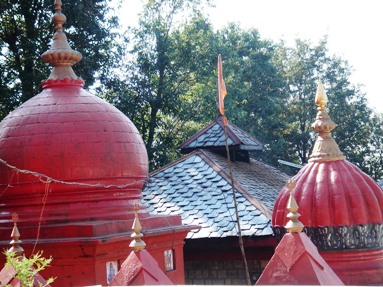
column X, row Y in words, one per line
column 354, row 29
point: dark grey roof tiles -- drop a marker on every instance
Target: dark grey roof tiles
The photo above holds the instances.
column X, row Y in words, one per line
column 197, row 187
column 261, row 180
column 213, row 136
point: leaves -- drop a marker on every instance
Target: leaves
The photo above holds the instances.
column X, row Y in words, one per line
column 162, row 75
column 27, row 268
column 25, row 34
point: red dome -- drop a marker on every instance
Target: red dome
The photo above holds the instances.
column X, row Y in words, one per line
column 333, row 193
column 341, row 207
column 72, row 136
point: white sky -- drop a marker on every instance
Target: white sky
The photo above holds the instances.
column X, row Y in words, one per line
column 354, row 29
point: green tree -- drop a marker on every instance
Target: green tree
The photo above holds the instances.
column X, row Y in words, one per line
column 27, row 268
column 25, row 33
column 374, row 159
column 255, row 88
column 155, row 84
column 301, row 67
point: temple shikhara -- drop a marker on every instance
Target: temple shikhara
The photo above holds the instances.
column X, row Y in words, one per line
column 74, row 183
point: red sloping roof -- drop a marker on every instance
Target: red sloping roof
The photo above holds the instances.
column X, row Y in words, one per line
column 140, row 268
column 296, row 261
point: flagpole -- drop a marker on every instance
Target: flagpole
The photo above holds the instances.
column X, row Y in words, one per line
column 221, row 95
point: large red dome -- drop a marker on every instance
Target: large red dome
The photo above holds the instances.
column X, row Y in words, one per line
column 67, row 154
column 75, row 137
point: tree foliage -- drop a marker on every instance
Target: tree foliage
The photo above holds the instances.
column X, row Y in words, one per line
column 301, row 67
column 25, row 33
column 162, row 75
column 26, row 269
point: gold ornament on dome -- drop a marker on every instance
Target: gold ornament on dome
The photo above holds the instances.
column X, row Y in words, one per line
column 137, row 244
column 60, row 55
column 293, row 225
column 325, row 147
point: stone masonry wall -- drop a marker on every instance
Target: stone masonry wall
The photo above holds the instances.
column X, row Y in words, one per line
column 222, row 272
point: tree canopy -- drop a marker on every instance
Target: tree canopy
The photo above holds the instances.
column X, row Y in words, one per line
column 26, row 31
column 162, row 75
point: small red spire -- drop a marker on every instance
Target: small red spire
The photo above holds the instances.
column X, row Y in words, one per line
column 15, row 235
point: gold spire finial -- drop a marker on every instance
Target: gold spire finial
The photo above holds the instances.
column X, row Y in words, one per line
column 294, row 225
column 60, row 55
column 15, row 235
column 325, row 147
column 137, row 244
column 321, row 97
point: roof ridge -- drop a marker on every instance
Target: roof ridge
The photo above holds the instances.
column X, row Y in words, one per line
column 174, row 162
column 215, row 135
column 229, row 130
column 249, row 135
column 197, row 134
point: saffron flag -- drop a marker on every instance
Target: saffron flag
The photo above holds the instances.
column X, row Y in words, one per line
column 221, row 87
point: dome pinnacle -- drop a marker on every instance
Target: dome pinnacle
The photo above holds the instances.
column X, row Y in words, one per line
column 15, row 235
column 137, row 244
column 325, row 147
column 294, row 225
column 60, row 55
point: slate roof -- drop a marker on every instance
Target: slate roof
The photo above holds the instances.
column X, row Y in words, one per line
column 212, row 136
column 197, row 187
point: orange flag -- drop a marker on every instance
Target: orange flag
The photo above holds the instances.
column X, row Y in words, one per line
column 221, row 87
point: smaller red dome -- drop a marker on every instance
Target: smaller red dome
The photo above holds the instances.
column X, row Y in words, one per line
column 341, row 207
column 334, row 193
column 331, row 191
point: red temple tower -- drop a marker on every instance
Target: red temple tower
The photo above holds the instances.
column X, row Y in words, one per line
column 342, row 208
column 296, row 260
column 72, row 167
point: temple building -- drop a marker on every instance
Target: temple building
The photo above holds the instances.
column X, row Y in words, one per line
column 205, row 187
column 75, row 170
column 342, row 208
column 72, row 167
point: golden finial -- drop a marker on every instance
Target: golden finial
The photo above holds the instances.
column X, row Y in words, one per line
column 15, row 235
column 320, row 97
column 325, row 147
column 60, row 55
column 137, row 244
column 294, row 225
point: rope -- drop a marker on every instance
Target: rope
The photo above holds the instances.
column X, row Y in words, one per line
column 241, row 245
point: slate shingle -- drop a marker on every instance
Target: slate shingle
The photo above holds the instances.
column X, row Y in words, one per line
column 213, row 135
column 205, row 198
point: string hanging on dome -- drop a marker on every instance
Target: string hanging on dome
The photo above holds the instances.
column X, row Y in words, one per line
column 45, row 179
column 44, row 201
